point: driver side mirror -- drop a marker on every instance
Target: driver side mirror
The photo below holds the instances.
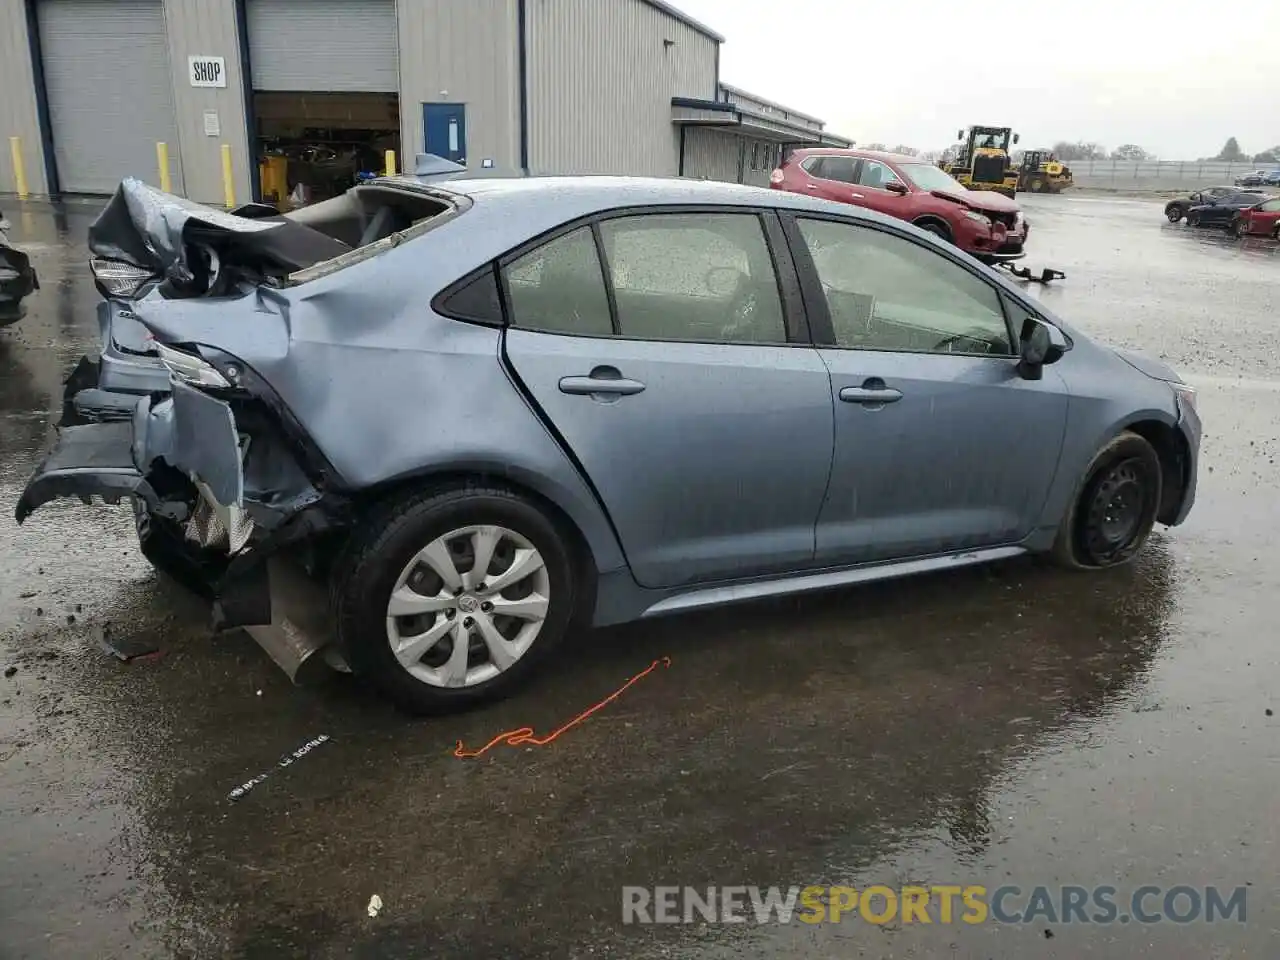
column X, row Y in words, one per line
column 1041, row 343
column 896, row 186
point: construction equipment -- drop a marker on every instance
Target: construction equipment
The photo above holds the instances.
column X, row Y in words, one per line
column 1042, row 172
column 981, row 161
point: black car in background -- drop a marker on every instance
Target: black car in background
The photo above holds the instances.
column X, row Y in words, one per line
column 1222, row 211
column 1175, row 210
column 17, row 278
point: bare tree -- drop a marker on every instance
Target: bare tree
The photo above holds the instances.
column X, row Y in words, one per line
column 1130, row 151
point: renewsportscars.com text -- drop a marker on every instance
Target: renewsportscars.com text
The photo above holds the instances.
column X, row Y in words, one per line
column 969, row 904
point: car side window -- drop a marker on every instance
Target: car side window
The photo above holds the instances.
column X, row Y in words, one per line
column 1271, row 206
column 841, row 169
column 885, row 292
column 875, row 174
column 559, row 288
column 705, row 277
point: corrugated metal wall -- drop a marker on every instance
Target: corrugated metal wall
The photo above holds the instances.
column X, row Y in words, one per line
column 601, row 79
column 18, row 117
column 208, row 28
column 711, row 155
column 462, row 51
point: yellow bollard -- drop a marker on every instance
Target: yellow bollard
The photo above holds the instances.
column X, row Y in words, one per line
column 391, row 163
column 228, row 182
column 162, row 160
column 19, row 171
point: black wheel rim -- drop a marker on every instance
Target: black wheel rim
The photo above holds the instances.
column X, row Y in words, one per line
column 1117, row 510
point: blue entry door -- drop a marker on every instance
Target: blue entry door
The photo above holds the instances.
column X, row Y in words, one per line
column 445, row 128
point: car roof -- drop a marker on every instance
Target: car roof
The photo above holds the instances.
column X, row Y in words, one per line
column 861, row 154
column 569, row 197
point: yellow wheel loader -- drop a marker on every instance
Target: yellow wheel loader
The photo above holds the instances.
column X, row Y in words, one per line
column 1042, row 172
column 981, row 161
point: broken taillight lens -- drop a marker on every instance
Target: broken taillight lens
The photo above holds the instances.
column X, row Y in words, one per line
column 115, row 278
column 189, row 368
column 776, row 177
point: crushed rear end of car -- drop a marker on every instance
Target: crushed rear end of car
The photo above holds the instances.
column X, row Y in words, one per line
column 222, row 476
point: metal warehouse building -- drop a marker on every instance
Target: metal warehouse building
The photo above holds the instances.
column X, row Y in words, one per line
column 91, row 87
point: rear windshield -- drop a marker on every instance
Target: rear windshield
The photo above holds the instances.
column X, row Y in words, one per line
column 369, row 219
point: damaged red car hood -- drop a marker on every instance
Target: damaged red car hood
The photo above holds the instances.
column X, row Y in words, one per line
column 979, row 200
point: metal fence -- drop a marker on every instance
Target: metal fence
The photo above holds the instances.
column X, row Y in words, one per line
column 1158, row 174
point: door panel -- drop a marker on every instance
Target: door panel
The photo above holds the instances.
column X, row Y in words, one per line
column 707, row 435
column 715, row 469
column 963, row 458
column 445, row 130
column 939, row 444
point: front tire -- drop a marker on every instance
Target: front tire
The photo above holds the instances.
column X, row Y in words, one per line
column 937, row 229
column 1115, row 511
column 1174, row 213
column 449, row 598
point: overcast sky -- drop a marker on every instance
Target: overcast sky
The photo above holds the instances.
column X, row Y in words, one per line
column 1173, row 77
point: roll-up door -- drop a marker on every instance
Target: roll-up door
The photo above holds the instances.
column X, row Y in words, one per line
column 348, row 46
column 110, row 89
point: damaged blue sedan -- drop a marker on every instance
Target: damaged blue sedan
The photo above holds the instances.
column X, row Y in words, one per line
column 476, row 414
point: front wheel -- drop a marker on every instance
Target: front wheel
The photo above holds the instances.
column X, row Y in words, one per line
column 449, row 598
column 1239, row 229
column 1174, row 214
column 937, row 229
column 1113, row 516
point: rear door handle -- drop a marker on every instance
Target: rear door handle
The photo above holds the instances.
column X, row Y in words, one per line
column 617, row 386
column 872, row 395
column 857, row 196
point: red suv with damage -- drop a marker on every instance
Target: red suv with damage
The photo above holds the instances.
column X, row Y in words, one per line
column 980, row 222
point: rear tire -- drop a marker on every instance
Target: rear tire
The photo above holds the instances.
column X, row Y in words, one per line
column 1174, row 214
column 1115, row 511
column 386, row 555
column 1037, row 185
column 1193, row 219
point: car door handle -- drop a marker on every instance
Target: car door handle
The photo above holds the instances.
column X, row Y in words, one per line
column 595, row 384
column 812, row 186
column 857, row 196
column 870, row 395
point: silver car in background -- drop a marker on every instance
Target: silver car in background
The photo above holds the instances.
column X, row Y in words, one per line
column 481, row 412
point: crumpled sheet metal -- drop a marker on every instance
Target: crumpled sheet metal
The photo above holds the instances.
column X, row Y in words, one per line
column 148, row 228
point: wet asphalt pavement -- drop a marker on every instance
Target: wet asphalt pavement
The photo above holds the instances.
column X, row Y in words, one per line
column 1009, row 725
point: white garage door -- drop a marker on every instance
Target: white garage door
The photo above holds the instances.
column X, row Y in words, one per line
column 106, row 70
column 330, row 46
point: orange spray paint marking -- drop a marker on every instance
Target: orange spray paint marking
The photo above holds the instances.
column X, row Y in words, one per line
column 525, row 736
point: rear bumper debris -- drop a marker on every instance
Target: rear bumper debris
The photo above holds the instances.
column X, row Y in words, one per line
column 88, row 461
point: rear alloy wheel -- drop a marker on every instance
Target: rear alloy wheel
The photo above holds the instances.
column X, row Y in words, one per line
column 1239, row 229
column 1116, row 510
column 453, row 597
column 1193, row 219
column 1174, row 213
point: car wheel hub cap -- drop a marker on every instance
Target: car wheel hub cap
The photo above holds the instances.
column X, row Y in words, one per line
column 467, row 606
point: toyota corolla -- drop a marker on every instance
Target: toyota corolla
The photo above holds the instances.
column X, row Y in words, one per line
column 478, row 413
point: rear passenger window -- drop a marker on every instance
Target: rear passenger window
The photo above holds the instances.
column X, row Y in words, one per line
column 559, row 288
column 707, row 277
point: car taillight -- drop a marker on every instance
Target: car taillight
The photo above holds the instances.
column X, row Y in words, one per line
column 189, row 368
column 776, row 177
column 115, row 278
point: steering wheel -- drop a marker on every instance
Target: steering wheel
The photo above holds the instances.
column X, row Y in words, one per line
column 974, row 335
